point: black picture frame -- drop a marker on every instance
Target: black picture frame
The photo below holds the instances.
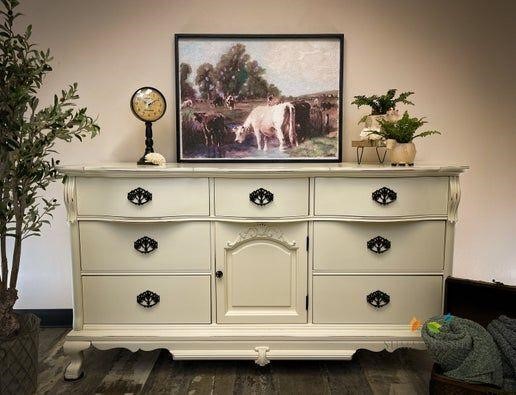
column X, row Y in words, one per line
column 326, row 36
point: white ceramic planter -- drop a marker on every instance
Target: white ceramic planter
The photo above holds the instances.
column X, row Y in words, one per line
column 401, row 154
column 372, row 121
column 371, row 125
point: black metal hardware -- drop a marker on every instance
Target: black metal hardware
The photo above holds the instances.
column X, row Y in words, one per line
column 261, row 197
column 139, row 196
column 378, row 245
column 219, row 274
column 306, row 302
column 384, row 196
column 378, row 299
column 147, row 299
column 307, row 242
column 145, row 245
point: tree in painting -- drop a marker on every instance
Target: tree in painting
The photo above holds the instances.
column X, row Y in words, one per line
column 187, row 91
column 231, row 70
column 206, row 80
column 256, row 86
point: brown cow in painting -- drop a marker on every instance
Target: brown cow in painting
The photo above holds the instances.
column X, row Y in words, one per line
column 213, row 128
column 303, row 124
column 218, row 101
column 326, row 105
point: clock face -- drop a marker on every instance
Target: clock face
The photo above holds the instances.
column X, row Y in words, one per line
column 148, row 104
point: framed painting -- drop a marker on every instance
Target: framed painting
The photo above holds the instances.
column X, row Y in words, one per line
column 259, row 98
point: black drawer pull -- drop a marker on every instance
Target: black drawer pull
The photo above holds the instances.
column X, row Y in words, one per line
column 147, row 299
column 378, row 299
column 139, row 196
column 261, row 197
column 145, row 245
column 219, row 274
column 384, row 196
column 378, row 245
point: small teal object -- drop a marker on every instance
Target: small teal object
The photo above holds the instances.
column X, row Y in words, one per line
column 447, row 318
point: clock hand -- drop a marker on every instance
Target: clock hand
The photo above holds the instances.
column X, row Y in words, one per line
column 148, row 103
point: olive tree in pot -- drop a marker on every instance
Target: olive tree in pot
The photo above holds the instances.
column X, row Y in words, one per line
column 28, row 133
column 399, row 135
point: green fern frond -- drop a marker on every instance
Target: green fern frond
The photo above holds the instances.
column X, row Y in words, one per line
column 403, row 130
column 381, row 104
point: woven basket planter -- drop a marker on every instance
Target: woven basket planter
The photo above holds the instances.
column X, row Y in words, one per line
column 19, row 356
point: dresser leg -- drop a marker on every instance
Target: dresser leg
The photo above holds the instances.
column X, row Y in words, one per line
column 74, row 350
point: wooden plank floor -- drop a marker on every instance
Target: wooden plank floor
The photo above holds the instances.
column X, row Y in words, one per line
column 119, row 371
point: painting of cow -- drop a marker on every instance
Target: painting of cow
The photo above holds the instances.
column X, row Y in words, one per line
column 269, row 122
column 259, row 98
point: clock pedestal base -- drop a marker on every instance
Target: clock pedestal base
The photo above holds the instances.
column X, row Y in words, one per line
column 149, row 145
column 142, row 162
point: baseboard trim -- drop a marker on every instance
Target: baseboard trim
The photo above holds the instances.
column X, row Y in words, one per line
column 51, row 317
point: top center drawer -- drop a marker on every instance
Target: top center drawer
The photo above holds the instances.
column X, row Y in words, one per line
column 261, row 197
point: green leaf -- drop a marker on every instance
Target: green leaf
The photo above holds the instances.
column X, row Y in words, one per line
column 363, row 119
column 434, row 327
column 427, row 133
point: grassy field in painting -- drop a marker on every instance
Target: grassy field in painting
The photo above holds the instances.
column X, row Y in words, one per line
column 320, row 145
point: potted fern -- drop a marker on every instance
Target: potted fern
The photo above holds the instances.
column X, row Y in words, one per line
column 399, row 135
column 28, row 133
column 382, row 107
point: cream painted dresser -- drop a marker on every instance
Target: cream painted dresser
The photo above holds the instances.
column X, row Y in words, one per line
column 257, row 262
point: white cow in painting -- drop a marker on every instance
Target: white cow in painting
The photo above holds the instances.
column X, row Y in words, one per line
column 188, row 103
column 267, row 122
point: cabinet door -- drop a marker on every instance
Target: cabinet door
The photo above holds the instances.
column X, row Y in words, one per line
column 261, row 273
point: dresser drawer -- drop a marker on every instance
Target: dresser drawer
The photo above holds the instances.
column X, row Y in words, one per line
column 379, row 247
column 343, row 299
column 130, row 197
column 114, row 299
column 145, row 247
column 381, row 197
column 261, row 197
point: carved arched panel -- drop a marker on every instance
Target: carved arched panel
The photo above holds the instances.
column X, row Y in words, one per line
column 264, row 273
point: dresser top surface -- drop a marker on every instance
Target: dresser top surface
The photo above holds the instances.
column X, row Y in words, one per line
column 128, row 169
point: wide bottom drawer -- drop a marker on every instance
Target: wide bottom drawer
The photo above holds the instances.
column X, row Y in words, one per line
column 125, row 300
column 344, row 299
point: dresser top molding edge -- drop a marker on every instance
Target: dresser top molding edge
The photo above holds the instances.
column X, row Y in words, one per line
column 260, row 169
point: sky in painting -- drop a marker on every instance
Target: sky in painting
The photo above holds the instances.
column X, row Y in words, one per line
column 295, row 66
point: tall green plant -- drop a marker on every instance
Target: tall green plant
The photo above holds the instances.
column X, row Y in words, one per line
column 404, row 129
column 28, row 134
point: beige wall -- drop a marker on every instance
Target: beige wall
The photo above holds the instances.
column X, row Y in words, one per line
column 458, row 56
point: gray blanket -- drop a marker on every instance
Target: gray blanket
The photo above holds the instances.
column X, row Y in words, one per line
column 503, row 331
column 464, row 350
